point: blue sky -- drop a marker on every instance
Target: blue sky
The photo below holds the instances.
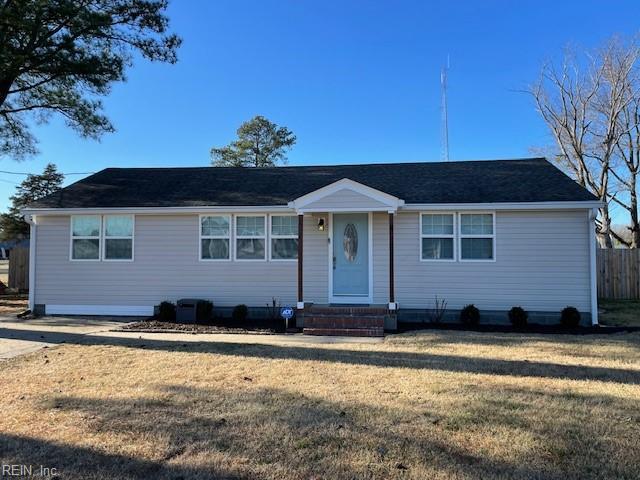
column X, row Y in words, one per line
column 356, row 81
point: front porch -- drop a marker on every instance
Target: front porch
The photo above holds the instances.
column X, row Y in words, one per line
column 350, row 221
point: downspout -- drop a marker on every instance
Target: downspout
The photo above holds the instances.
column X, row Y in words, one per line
column 31, row 220
column 591, row 217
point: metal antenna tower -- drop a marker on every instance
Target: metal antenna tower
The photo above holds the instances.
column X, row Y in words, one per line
column 444, row 114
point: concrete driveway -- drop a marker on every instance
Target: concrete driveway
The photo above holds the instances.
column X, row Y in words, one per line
column 24, row 336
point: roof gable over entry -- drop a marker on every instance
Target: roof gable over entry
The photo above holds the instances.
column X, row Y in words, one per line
column 346, row 196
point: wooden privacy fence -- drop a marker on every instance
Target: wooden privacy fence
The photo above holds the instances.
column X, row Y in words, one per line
column 19, row 268
column 618, row 273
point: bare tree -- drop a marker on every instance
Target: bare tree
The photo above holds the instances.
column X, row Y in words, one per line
column 584, row 103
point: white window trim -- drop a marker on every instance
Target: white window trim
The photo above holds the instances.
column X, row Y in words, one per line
column 101, row 237
column 203, row 237
column 103, row 241
column 492, row 236
column 272, row 237
column 85, row 237
column 440, row 235
column 237, row 237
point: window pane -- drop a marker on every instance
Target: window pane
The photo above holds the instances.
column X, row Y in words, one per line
column 250, row 226
column 86, row 249
column 250, row 249
column 284, row 226
column 118, row 226
column 118, row 249
column 86, row 226
column 437, row 248
column 215, row 226
column 476, row 224
column 440, row 224
column 477, row 248
column 215, row 248
column 284, row 248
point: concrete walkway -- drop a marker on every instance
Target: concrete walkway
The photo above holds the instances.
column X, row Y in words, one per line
column 18, row 337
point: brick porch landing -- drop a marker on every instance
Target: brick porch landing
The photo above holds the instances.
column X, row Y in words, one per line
column 345, row 320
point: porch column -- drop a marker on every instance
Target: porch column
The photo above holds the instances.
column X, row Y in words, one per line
column 300, row 304
column 392, row 295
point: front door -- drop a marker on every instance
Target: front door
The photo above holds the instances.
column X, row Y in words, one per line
column 350, row 257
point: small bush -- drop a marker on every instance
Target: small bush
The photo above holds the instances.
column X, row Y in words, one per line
column 239, row 314
column 167, row 312
column 470, row 316
column 570, row 317
column 518, row 317
column 439, row 309
column 204, row 311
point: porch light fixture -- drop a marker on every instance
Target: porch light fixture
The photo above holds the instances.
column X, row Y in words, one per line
column 321, row 224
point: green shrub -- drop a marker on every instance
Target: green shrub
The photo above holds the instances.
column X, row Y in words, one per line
column 167, row 312
column 239, row 314
column 204, row 311
column 570, row 317
column 518, row 317
column 470, row 316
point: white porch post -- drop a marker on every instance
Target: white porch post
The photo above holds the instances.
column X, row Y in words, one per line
column 300, row 304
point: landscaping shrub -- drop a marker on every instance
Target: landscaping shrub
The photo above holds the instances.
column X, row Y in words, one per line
column 239, row 314
column 518, row 317
column 167, row 312
column 470, row 316
column 570, row 317
column 204, row 311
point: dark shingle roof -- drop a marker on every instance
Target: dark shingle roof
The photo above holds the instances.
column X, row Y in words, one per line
column 526, row 180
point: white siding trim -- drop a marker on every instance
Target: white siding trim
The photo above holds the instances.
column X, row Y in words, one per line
column 116, row 310
column 503, row 206
column 32, row 260
column 591, row 215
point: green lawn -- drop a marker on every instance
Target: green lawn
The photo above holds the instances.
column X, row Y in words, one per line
column 620, row 312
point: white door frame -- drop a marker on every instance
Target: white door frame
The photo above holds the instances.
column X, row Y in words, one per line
column 351, row 298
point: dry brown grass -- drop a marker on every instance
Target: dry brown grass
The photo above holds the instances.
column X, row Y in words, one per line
column 431, row 405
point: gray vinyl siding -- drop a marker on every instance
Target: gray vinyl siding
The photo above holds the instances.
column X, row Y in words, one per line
column 542, row 264
column 166, row 267
column 345, row 199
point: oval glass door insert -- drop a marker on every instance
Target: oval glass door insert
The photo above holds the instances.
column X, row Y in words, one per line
column 350, row 242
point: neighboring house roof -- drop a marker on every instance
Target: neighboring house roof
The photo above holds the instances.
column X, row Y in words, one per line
column 495, row 181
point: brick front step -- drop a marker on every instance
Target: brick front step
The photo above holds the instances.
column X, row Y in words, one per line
column 348, row 332
column 339, row 321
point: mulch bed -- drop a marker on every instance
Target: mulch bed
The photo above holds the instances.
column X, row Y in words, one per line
column 155, row 326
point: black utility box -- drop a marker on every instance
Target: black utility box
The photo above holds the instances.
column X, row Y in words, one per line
column 187, row 310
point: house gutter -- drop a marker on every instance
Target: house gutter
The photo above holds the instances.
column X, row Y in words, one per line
column 31, row 220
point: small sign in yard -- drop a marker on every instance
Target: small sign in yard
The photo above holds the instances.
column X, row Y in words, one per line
column 286, row 312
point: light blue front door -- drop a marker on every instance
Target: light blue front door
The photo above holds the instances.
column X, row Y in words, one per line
column 350, row 255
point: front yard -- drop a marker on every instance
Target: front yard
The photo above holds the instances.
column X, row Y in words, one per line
column 427, row 405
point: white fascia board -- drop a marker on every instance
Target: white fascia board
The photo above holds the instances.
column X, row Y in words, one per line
column 504, row 206
column 390, row 201
column 155, row 210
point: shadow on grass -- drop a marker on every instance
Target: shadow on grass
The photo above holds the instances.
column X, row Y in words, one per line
column 377, row 358
column 247, row 431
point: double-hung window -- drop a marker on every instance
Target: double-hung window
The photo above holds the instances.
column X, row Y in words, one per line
column 102, row 237
column 251, row 236
column 437, row 236
column 118, row 237
column 284, row 237
column 477, row 236
column 215, row 237
column 85, row 237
